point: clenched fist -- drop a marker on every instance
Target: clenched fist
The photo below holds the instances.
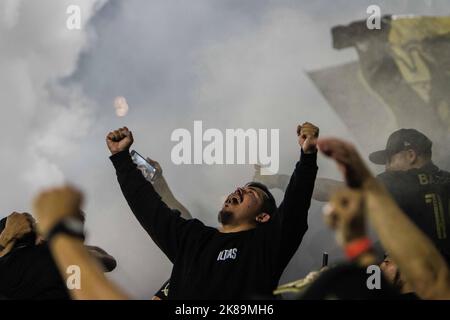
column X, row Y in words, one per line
column 119, row 140
column 53, row 205
column 307, row 137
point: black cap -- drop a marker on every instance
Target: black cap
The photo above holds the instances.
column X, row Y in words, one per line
column 400, row 140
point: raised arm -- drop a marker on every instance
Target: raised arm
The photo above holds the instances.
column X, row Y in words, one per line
column 162, row 188
column 274, row 181
column 323, row 188
column 293, row 211
column 418, row 259
column 63, row 205
column 165, row 226
column 69, row 251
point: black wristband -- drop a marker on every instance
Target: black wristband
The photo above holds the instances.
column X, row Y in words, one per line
column 70, row 226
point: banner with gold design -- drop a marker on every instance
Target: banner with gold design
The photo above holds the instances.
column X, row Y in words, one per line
column 403, row 77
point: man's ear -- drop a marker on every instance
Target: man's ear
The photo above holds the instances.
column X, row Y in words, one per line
column 262, row 217
column 411, row 156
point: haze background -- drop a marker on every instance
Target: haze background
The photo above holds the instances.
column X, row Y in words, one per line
column 231, row 64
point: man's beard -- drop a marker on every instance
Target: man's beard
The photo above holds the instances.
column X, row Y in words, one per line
column 225, row 217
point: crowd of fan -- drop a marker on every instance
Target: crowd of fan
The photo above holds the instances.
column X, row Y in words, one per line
column 407, row 206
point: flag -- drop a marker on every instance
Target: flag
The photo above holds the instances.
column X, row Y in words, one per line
column 402, row 79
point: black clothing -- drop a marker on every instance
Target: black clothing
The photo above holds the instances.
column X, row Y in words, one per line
column 163, row 293
column 29, row 273
column 209, row 264
column 423, row 194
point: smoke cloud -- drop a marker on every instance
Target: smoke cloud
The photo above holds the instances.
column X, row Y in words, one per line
column 231, row 64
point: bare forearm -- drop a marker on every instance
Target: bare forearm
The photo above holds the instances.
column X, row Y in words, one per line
column 69, row 251
column 162, row 188
column 417, row 258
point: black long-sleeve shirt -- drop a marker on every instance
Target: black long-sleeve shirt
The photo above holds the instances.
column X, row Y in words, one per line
column 209, row 264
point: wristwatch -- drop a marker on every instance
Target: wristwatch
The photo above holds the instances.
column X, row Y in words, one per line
column 69, row 226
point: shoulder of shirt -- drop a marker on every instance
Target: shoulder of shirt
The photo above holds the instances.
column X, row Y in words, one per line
column 387, row 176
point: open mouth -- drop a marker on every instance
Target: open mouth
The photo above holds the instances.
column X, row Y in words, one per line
column 235, row 198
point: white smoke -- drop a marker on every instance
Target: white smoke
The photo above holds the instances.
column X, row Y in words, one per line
column 42, row 122
column 229, row 63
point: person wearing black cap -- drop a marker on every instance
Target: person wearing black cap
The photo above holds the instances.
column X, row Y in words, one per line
column 419, row 187
column 246, row 255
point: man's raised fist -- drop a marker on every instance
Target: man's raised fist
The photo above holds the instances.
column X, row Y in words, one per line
column 51, row 206
column 307, row 137
column 119, row 140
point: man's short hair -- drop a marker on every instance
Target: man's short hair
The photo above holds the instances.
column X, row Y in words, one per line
column 269, row 204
